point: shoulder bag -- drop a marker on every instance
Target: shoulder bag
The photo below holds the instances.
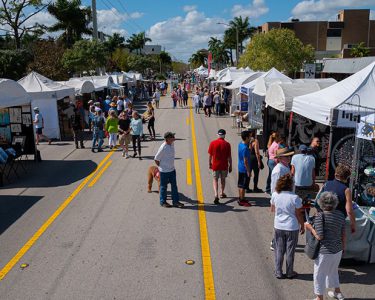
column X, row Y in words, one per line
column 312, row 244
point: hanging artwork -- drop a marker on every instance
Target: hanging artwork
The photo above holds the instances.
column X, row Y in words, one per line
column 4, row 117
column 26, row 119
column 15, row 114
column 5, row 135
column 16, row 128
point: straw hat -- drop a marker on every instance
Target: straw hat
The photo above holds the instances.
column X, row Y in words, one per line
column 284, row 152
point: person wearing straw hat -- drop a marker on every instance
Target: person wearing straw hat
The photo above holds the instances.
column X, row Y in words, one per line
column 283, row 156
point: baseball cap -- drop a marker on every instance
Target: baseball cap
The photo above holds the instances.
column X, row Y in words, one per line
column 36, row 108
column 169, row 134
column 98, row 109
column 221, row 132
column 302, row 148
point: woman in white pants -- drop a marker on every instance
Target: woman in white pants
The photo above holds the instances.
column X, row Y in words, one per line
column 330, row 231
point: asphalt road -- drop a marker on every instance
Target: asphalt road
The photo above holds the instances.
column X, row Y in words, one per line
column 114, row 241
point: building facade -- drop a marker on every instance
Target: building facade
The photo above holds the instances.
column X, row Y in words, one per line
column 333, row 38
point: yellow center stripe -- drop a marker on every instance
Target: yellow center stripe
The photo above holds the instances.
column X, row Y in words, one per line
column 100, row 173
column 189, row 180
column 4, row 271
column 209, row 285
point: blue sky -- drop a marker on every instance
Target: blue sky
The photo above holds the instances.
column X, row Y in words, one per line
column 183, row 26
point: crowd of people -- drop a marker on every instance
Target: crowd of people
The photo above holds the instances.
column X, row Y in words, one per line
column 291, row 177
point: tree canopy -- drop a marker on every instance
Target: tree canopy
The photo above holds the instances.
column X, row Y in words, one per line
column 137, row 41
column 85, row 55
column 72, row 18
column 360, row 50
column 279, row 48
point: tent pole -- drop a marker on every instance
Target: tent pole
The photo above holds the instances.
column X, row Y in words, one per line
column 329, row 150
column 290, row 128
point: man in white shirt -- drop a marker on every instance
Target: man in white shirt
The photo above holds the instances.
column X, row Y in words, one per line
column 283, row 157
column 303, row 169
column 196, row 101
column 120, row 105
column 164, row 159
column 39, row 125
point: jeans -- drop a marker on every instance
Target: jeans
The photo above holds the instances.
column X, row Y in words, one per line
column 217, row 108
column 136, row 139
column 98, row 137
column 197, row 108
column 165, row 178
column 271, row 164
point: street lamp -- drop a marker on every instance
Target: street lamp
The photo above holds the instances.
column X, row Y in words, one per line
column 237, row 52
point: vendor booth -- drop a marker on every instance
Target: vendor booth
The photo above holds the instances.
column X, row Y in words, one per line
column 340, row 107
column 16, row 127
column 45, row 94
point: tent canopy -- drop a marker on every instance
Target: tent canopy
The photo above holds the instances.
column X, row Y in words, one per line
column 230, row 75
column 12, row 94
column 272, row 76
column 40, row 87
column 280, row 95
column 80, row 86
column 246, row 77
column 353, row 95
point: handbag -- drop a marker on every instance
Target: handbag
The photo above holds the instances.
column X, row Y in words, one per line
column 261, row 163
column 312, row 244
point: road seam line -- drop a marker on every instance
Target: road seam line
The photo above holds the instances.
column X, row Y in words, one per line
column 208, row 276
column 26, row 247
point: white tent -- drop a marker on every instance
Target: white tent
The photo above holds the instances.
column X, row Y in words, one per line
column 272, row 76
column 280, row 95
column 45, row 93
column 212, row 74
column 245, row 78
column 12, row 94
column 80, row 86
column 342, row 103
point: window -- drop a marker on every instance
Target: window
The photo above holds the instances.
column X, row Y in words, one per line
column 333, row 32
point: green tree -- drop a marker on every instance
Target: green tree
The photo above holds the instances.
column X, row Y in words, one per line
column 48, row 59
column 85, row 55
column 72, row 18
column 13, row 63
column 279, row 48
column 137, row 41
column 115, row 41
column 198, row 59
column 15, row 15
column 140, row 63
column 360, row 50
column 179, row 67
column 119, row 60
column 244, row 30
column 220, row 55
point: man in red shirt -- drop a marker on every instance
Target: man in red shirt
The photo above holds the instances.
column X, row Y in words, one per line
column 220, row 162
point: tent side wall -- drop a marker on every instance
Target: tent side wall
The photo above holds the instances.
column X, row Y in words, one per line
column 48, row 109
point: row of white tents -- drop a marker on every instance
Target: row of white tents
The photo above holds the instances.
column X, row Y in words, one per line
column 316, row 99
column 37, row 90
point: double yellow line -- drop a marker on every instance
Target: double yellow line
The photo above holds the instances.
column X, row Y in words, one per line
column 209, row 285
column 26, row 247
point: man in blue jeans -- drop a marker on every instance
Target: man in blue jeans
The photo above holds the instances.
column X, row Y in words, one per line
column 164, row 159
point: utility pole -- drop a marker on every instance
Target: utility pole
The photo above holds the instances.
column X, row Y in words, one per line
column 94, row 20
column 237, row 52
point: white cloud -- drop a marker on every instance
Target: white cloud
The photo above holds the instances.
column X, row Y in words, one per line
column 325, row 9
column 188, row 8
column 182, row 36
column 253, row 10
column 111, row 21
column 136, row 15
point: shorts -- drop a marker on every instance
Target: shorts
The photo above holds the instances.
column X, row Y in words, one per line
column 243, row 180
column 219, row 174
column 39, row 130
column 124, row 139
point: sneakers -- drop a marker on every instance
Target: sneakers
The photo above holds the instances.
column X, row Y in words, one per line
column 335, row 295
column 271, row 247
column 243, row 203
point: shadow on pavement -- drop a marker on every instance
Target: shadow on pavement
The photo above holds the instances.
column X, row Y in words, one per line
column 13, row 207
column 53, row 173
column 258, row 201
column 349, row 270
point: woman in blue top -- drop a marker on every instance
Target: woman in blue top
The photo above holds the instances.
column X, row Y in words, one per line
column 136, row 127
column 243, row 168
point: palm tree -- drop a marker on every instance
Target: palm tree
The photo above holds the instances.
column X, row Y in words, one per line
column 198, row 59
column 244, row 30
column 71, row 18
column 137, row 41
column 360, row 50
column 219, row 52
